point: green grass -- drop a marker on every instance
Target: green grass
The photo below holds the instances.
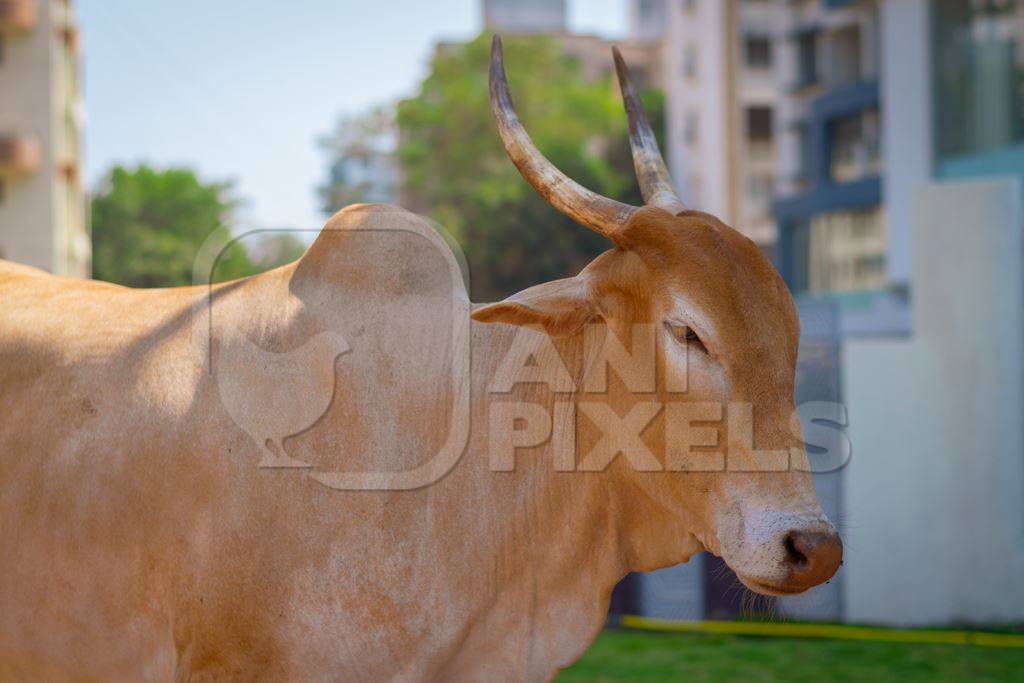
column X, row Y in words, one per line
column 642, row 657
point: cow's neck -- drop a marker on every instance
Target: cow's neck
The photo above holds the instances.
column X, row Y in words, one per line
column 557, row 540
column 570, row 536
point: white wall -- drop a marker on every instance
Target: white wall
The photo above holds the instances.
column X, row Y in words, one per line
column 935, row 488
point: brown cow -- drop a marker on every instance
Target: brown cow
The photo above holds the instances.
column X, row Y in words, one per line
column 141, row 540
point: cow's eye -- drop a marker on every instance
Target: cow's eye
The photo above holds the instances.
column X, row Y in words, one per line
column 685, row 335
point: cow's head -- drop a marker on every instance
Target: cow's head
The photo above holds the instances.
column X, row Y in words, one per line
column 726, row 319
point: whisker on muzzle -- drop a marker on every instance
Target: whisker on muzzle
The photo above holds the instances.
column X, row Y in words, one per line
column 756, row 606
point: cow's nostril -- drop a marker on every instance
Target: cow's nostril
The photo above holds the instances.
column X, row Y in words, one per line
column 812, row 556
column 794, row 554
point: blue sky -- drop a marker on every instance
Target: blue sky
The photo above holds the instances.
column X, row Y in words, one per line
column 241, row 89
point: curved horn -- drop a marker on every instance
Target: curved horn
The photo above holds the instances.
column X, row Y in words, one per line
column 651, row 173
column 587, row 208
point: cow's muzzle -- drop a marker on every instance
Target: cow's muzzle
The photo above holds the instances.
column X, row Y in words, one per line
column 810, row 557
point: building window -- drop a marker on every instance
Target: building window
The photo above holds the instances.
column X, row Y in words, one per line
column 652, row 11
column 803, row 141
column 844, row 251
column 978, row 49
column 759, row 124
column 855, row 147
column 651, row 19
column 757, row 52
column 807, row 58
column 696, row 186
column 690, row 61
column 846, row 57
column 690, row 126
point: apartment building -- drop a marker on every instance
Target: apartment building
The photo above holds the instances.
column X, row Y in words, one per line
column 43, row 207
column 548, row 17
column 899, row 134
column 884, row 97
column 830, row 211
column 773, row 124
column 901, row 219
column 525, row 16
column 720, row 75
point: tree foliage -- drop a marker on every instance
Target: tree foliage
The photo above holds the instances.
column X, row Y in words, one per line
column 455, row 169
column 148, row 224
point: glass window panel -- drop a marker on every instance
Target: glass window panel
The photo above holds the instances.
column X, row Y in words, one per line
column 758, row 51
column 846, row 57
column 855, row 147
column 845, row 251
column 978, row 47
column 759, row 124
column 807, row 59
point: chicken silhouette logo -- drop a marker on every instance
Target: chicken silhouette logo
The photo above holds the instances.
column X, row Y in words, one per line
column 245, row 372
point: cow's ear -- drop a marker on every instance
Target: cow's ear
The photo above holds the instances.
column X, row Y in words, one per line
column 561, row 307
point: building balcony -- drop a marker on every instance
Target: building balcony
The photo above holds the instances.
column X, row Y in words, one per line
column 19, row 154
column 824, row 198
column 847, row 99
column 18, row 15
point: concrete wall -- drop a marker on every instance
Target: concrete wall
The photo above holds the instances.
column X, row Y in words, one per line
column 674, row 593
column 934, row 492
column 72, row 239
column 701, row 170
column 27, row 209
column 44, row 213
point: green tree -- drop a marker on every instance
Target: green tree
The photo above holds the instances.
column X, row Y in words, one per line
column 148, row 224
column 455, row 169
